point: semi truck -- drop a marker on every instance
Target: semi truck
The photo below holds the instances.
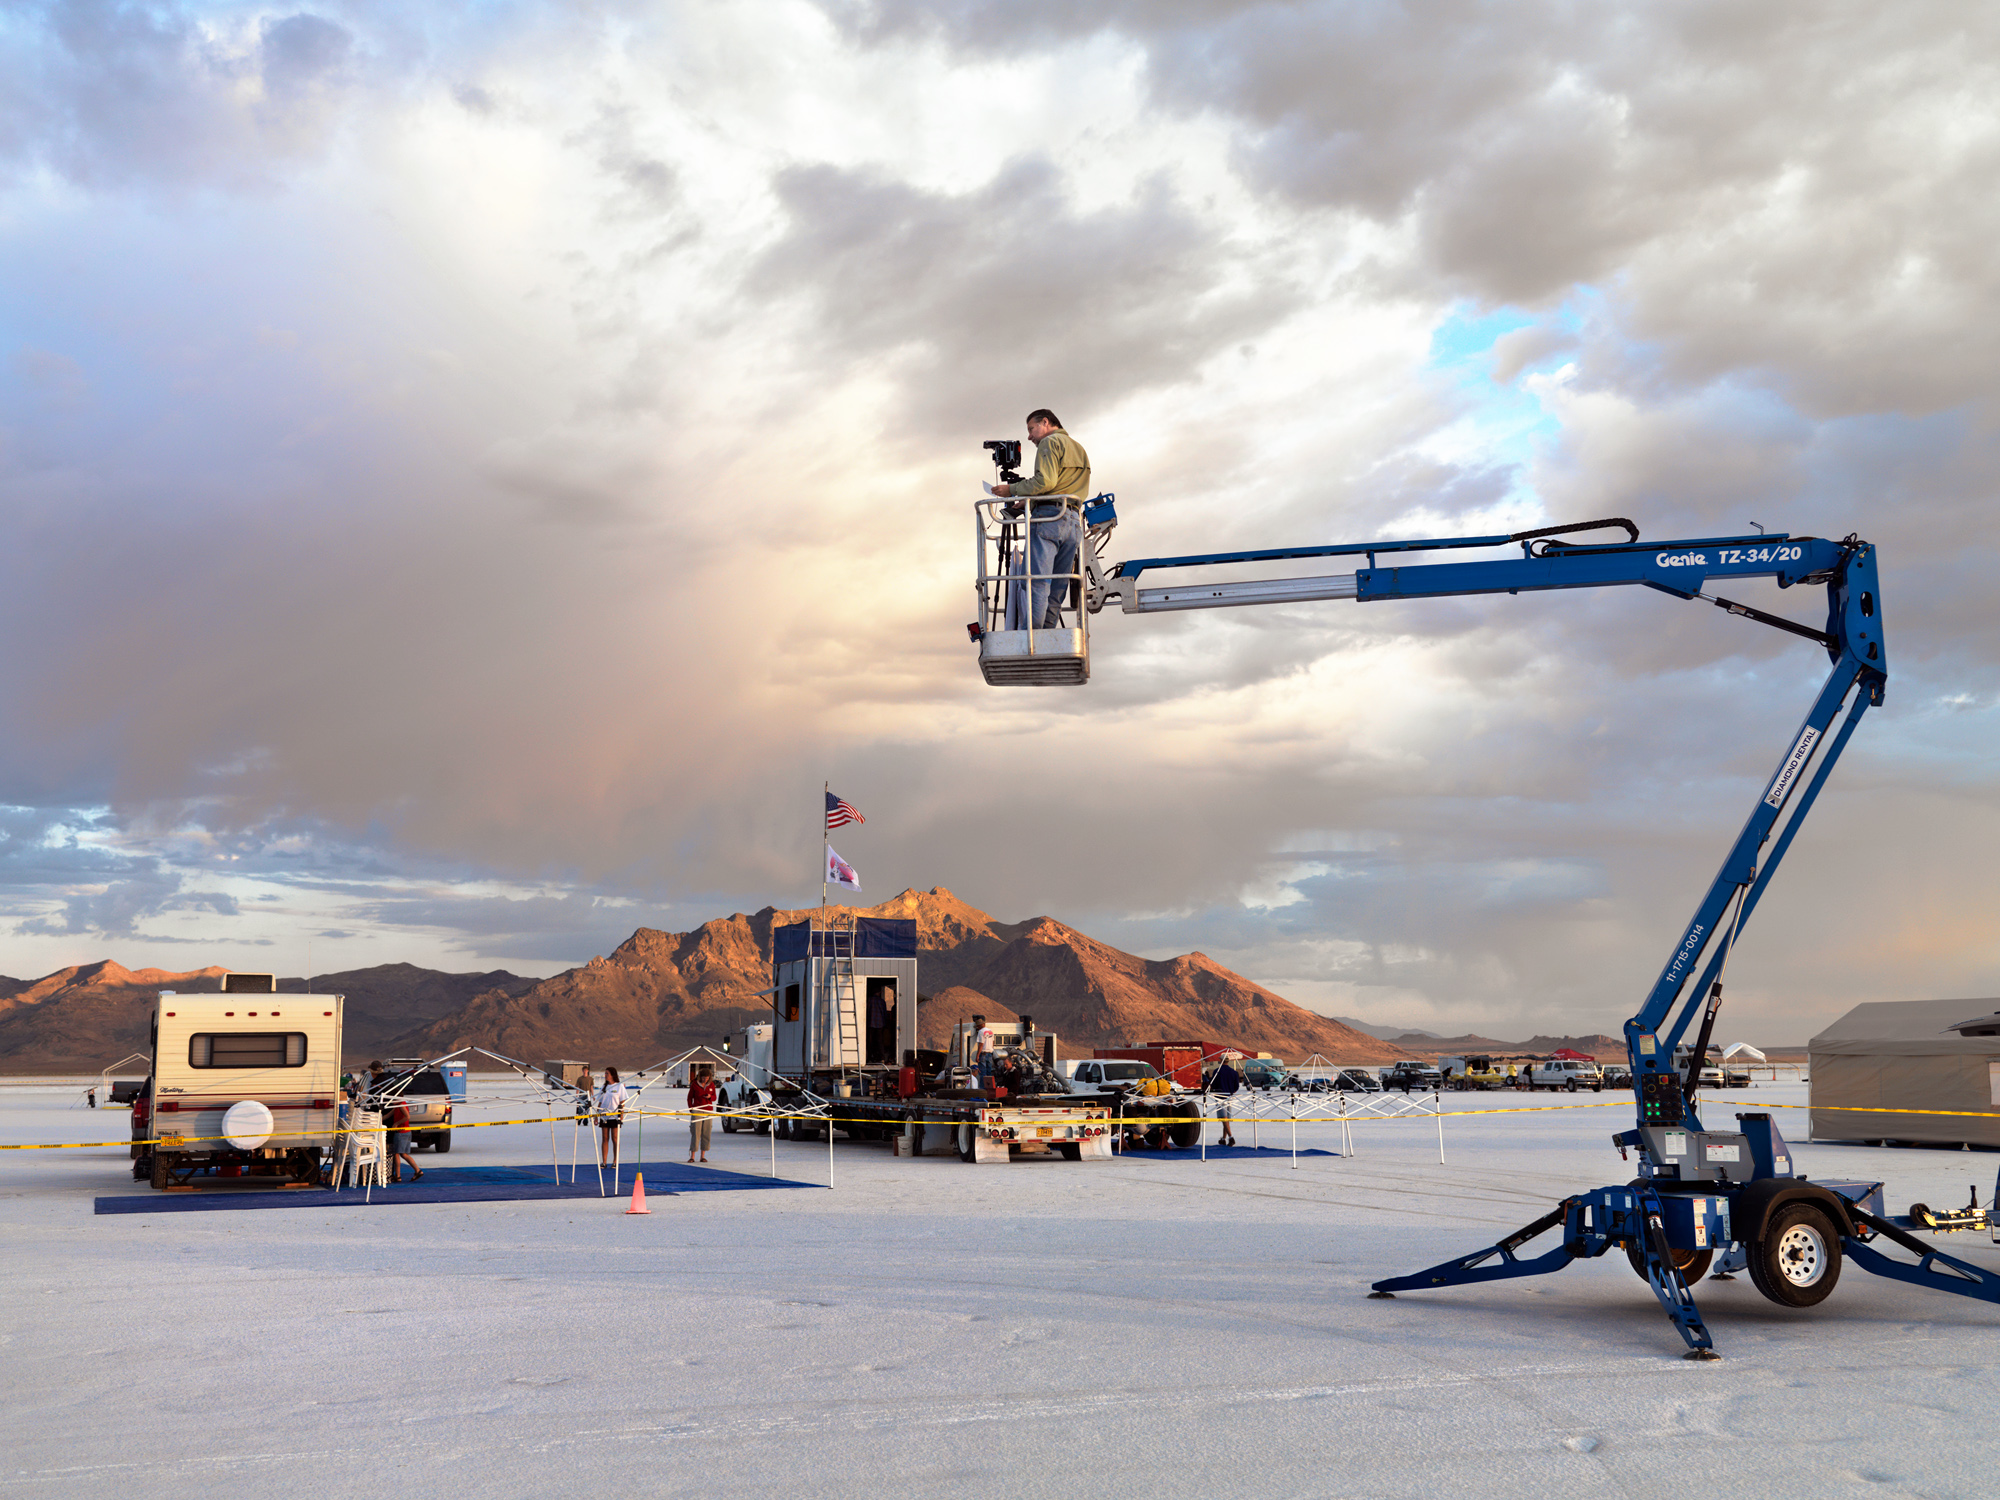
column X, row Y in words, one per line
column 840, row 1054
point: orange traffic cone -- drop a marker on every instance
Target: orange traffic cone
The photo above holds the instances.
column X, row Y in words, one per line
column 638, row 1195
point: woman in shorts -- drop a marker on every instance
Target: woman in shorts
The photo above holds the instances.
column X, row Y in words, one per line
column 610, row 1115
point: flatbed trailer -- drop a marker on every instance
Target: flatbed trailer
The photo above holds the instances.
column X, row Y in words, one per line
column 927, row 1103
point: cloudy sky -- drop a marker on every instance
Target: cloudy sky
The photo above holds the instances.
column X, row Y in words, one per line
column 470, row 473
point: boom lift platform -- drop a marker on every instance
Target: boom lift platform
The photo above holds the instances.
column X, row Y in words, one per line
column 1700, row 1190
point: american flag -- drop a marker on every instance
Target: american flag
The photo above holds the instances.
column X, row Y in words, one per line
column 839, row 813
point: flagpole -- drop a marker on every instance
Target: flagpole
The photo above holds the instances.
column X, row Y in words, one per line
column 825, row 844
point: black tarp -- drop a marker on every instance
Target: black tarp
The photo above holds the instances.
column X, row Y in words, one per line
column 874, row 937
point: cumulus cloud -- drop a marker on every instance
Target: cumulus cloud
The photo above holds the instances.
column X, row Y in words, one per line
column 475, row 482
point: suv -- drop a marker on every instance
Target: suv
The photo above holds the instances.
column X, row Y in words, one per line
column 1565, row 1073
column 1411, row 1074
column 424, row 1091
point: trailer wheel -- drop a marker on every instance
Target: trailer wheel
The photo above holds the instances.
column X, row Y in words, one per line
column 967, row 1151
column 1692, row 1264
column 1797, row 1262
column 782, row 1128
column 763, row 1127
column 1071, row 1150
column 728, row 1120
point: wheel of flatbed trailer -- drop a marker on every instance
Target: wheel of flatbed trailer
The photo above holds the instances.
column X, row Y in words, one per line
column 1070, row 1150
column 1692, row 1264
column 783, row 1127
column 967, row 1149
column 1797, row 1262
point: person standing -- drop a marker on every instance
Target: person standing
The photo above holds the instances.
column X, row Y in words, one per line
column 701, row 1112
column 982, row 1049
column 610, row 1115
column 396, row 1115
column 1225, row 1083
column 1056, row 492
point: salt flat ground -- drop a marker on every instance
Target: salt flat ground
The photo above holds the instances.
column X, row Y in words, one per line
column 926, row 1327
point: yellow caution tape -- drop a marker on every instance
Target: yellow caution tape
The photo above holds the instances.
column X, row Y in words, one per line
column 1121, row 1121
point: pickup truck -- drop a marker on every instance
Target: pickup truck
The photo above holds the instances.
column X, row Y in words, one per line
column 1107, row 1076
column 1565, row 1073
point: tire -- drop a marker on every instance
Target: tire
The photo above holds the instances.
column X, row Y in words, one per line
column 783, row 1129
column 967, row 1151
column 160, row 1163
column 1692, row 1264
column 441, row 1142
column 1187, row 1136
column 1572, row 1086
column 1071, row 1150
column 1797, row 1262
column 763, row 1127
column 728, row 1120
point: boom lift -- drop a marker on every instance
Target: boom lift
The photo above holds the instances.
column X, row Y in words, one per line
column 1699, row 1190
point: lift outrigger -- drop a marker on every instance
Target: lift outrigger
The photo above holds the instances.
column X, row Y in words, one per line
column 1699, row 1191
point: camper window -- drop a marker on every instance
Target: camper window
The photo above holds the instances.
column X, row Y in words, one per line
column 247, row 1049
column 791, row 1002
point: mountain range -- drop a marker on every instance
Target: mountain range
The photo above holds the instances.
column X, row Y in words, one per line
column 660, row 993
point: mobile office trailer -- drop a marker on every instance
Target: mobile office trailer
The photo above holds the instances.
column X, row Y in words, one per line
column 246, row 1082
column 844, row 998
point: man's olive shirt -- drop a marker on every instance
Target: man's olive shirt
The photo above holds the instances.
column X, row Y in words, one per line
column 1061, row 468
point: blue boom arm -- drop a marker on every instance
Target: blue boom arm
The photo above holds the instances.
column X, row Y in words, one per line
column 1852, row 637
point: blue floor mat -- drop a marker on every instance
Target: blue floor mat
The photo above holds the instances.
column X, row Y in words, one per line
column 1224, row 1153
column 525, row 1184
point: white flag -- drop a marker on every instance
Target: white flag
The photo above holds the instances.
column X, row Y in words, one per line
column 840, row 872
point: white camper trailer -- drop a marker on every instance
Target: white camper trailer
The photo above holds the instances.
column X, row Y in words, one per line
column 245, row 1083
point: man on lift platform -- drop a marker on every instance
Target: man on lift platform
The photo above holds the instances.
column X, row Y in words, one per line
column 1057, row 489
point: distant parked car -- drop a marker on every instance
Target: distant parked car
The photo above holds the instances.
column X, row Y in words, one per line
column 1262, row 1072
column 1357, row 1081
column 1412, row 1074
column 1617, row 1076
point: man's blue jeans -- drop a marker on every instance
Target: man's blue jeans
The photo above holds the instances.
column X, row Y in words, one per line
column 1055, row 535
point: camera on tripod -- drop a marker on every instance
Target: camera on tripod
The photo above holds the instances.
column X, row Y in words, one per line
column 1006, row 456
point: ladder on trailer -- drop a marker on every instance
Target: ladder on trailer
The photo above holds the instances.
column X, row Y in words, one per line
column 846, row 1006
